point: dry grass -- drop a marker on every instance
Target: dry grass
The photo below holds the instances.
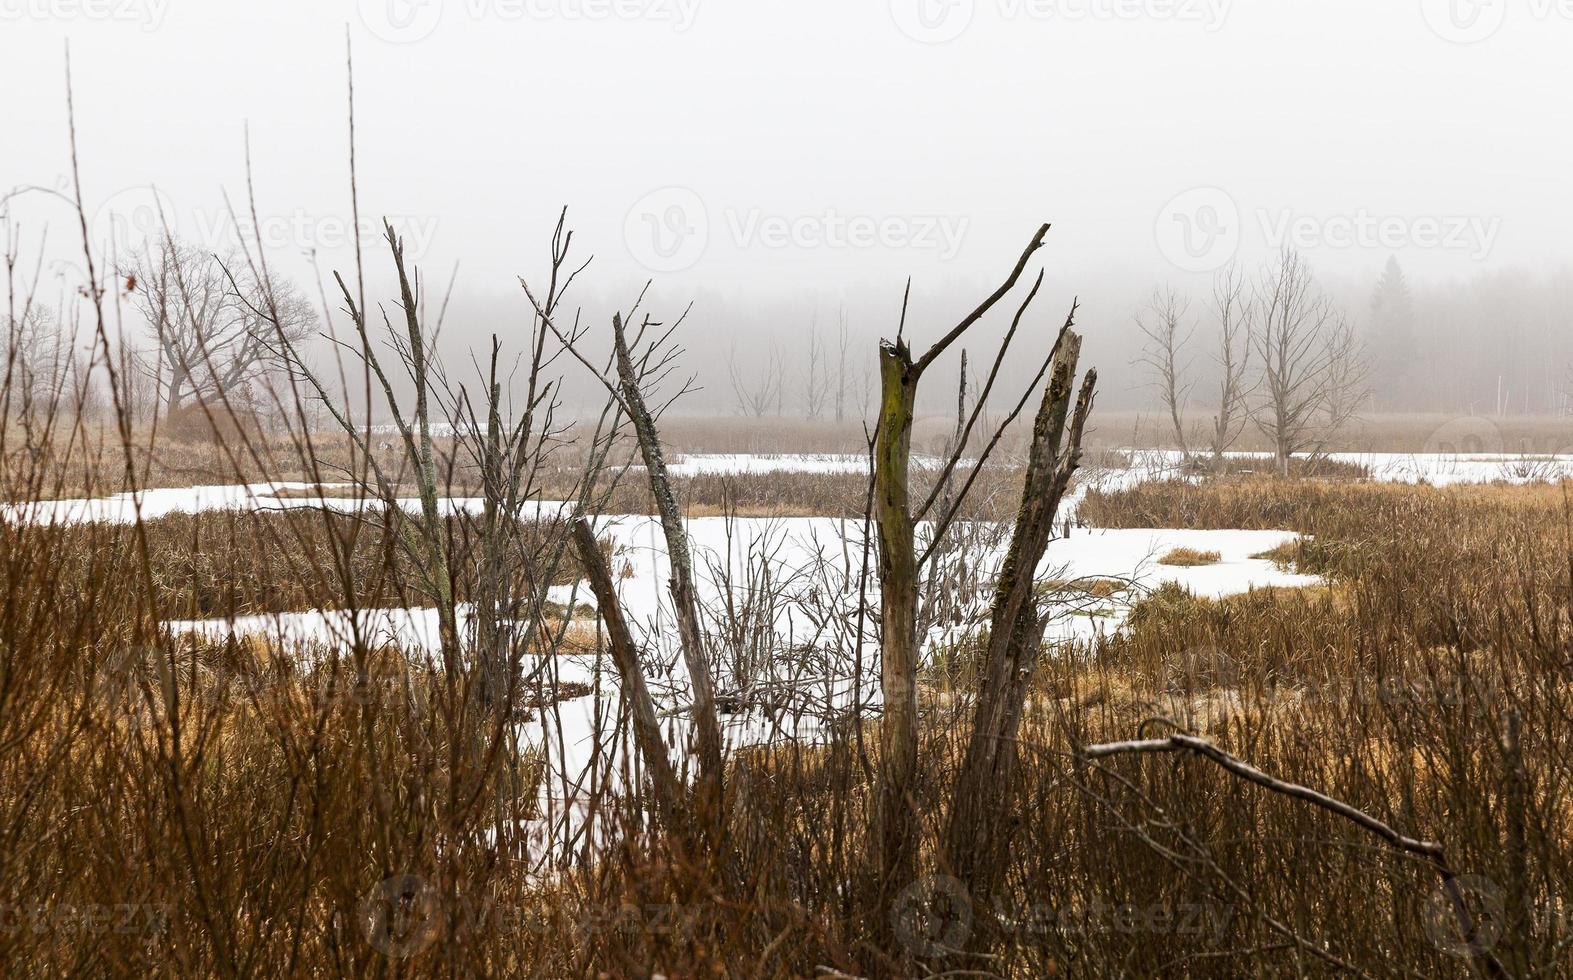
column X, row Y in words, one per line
column 188, row 809
column 1286, row 557
column 1400, row 432
column 1189, row 557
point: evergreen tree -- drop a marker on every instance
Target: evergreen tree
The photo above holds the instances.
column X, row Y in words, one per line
column 1391, row 339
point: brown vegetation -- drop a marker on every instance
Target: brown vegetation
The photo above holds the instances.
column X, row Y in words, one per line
column 1189, row 557
column 191, row 808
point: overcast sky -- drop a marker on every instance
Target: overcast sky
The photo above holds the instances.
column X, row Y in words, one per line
column 740, row 150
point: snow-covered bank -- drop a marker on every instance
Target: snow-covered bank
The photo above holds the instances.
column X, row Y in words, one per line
column 797, row 578
column 1437, row 469
column 711, row 464
column 1144, row 464
column 148, row 505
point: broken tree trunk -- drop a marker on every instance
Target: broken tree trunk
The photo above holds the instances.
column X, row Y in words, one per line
column 664, row 784
column 895, row 830
column 684, row 602
column 898, row 581
column 982, row 794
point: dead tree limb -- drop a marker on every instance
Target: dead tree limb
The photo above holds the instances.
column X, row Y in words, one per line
column 1233, row 310
column 680, row 558
column 1430, row 851
column 1161, row 323
column 625, row 657
column 896, row 818
column 1016, row 629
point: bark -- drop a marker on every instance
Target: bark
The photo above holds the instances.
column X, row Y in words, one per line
column 976, row 832
column 172, row 396
column 895, row 832
column 685, row 604
column 898, row 575
column 625, row 657
column 493, row 639
column 426, row 465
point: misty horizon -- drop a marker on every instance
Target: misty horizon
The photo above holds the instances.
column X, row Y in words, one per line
column 780, row 177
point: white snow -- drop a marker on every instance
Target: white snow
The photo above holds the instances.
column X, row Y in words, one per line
column 1437, row 469
column 794, row 578
column 1145, row 464
column 807, row 559
column 697, row 464
column 706, row 464
column 126, row 508
column 123, row 508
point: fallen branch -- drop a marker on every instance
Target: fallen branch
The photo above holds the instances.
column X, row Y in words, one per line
column 1432, row 851
column 625, row 656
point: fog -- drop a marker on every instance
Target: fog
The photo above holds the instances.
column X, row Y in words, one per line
column 780, row 165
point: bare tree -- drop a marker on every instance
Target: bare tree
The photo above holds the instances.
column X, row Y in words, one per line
column 778, row 365
column 139, row 389
column 37, row 360
column 210, row 335
column 1162, row 324
column 841, row 363
column 1014, row 645
column 1312, row 378
column 1233, row 311
column 816, row 376
column 1346, row 379
column 755, row 397
column 866, row 387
